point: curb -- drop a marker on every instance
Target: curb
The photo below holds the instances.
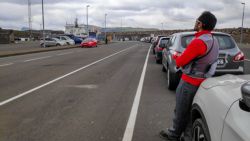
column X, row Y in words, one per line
column 36, row 51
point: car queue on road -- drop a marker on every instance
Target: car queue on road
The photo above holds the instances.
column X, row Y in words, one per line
column 230, row 60
column 221, row 106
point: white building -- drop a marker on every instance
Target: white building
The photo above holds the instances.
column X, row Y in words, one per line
column 79, row 30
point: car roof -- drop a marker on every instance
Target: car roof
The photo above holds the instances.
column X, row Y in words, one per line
column 193, row 32
column 164, row 38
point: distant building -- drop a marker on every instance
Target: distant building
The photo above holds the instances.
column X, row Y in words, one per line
column 80, row 29
column 76, row 29
column 6, row 36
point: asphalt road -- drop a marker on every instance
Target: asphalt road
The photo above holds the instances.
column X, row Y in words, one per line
column 85, row 95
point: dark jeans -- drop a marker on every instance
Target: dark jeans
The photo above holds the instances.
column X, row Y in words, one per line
column 185, row 93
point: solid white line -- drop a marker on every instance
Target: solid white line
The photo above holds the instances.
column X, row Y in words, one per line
column 128, row 134
column 3, row 65
column 64, row 53
column 59, row 78
column 37, row 59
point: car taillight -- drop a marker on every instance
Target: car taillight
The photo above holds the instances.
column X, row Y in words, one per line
column 239, row 57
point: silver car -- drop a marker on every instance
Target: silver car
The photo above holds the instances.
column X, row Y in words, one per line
column 221, row 109
column 49, row 42
column 66, row 39
column 231, row 58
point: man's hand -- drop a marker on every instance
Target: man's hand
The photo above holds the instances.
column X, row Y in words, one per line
column 176, row 55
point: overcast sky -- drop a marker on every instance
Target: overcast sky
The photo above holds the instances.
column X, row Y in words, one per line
column 175, row 14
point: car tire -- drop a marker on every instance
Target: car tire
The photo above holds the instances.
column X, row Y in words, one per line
column 200, row 131
column 57, row 44
column 163, row 69
column 172, row 80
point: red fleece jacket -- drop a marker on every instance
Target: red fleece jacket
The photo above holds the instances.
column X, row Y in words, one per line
column 196, row 48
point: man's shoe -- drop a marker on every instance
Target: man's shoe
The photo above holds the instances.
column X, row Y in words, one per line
column 168, row 136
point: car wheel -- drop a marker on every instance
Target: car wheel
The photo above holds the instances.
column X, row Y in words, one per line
column 68, row 43
column 163, row 69
column 57, row 44
column 200, row 131
column 172, row 80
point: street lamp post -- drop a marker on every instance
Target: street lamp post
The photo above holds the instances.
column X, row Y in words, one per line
column 106, row 41
column 241, row 32
column 43, row 25
column 162, row 27
column 87, row 19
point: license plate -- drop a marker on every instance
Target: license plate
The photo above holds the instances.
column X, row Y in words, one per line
column 221, row 62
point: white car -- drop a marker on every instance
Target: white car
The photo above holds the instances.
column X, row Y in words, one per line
column 66, row 39
column 60, row 42
column 221, row 109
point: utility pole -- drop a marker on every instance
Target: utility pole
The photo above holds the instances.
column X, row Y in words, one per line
column 106, row 40
column 241, row 31
column 121, row 28
column 43, row 25
column 87, row 16
column 30, row 19
column 162, row 28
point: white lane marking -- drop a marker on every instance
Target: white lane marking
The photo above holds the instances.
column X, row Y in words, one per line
column 89, row 86
column 248, row 60
column 64, row 53
column 8, row 64
column 40, row 58
column 128, row 134
column 59, row 78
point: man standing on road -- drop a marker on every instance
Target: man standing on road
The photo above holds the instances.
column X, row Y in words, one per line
column 198, row 62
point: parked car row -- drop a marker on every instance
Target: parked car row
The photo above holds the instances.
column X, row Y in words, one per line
column 221, row 106
column 57, row 41
column 68, row 39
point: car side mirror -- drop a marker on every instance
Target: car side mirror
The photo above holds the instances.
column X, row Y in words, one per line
column 245, row 91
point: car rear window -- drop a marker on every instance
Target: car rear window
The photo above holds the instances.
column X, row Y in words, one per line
column 164, row 41
column 225, row 42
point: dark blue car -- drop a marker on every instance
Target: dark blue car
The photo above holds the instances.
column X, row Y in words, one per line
column 77, row 40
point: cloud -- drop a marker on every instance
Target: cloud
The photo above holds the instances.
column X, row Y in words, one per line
column 175, row 14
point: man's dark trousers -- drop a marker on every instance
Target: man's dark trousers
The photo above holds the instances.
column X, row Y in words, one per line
column 185, row 93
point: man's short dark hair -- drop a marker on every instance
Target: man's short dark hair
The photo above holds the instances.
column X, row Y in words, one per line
column 208, row 20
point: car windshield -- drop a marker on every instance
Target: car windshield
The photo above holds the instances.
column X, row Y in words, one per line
column 88, row 40
column 225, row 42
column 55, row 39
